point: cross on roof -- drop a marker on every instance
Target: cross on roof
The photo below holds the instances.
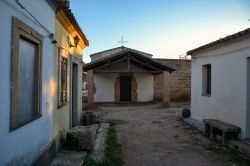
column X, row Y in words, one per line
column 122, row 41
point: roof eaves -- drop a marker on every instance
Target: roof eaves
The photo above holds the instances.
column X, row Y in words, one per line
column 106, row 51
column 221, row 41
column 102, row 59
column 163, row 67
column 62, row 4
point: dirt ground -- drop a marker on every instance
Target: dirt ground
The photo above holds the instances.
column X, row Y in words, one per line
column 152, row 135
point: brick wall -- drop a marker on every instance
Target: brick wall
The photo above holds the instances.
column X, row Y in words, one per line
column 180, row 80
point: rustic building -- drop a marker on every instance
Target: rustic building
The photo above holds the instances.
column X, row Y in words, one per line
column 68, row 51
column 40, row 78
column 126, row 75
column 221, row 81
column 27, row 84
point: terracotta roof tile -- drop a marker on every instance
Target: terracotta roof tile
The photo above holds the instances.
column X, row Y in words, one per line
column 64, row 5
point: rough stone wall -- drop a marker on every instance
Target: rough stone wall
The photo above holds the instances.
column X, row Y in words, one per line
column 180, row 82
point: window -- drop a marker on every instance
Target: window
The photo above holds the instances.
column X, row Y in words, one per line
column 206, row 80
column 26, row 74
column 62, row 78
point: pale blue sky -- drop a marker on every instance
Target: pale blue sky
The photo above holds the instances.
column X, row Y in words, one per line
column 163, row 28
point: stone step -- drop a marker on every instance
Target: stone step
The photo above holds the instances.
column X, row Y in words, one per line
column 68, row 158
column 69, row 154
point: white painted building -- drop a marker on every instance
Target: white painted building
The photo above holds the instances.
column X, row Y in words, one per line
column 123, row 75
column 107, row 80
column 221, row 81
column 27, row 85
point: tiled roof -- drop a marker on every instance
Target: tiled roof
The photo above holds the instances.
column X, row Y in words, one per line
column 221, row 41
column 64, row 5
column 122, row 48
column 123, row 53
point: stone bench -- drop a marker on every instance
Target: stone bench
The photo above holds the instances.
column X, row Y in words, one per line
column 214, row 127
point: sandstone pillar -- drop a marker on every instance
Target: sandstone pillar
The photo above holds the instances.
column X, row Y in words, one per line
column 166, row 78
column 133, row 90
column 117, row 89
column 90, row 87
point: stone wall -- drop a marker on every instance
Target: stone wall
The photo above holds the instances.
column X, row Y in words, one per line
column 180, row 80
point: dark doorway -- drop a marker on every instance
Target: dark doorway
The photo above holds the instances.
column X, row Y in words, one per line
column 74, row 95
column 125, row 88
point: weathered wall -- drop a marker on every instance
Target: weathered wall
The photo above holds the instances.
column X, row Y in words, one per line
column 62, row 115
column 144, row 87
column 180, row 80
column 23, row 145
column 229, row 82
column 104, row 87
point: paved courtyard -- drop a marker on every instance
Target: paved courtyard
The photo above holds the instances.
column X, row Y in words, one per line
column 152, row 135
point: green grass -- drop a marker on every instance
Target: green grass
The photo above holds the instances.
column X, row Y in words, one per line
column 112, row 151
column 231, row 154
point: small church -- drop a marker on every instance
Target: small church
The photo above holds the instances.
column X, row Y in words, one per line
column 125, row 75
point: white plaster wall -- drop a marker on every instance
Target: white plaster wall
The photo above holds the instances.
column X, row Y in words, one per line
column 23, row 145
column 145, row 87
column 228, row 96
column 105, row 87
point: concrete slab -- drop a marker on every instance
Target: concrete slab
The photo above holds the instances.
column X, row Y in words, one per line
column 195, row 123
column 68, row 158
column 100, row 142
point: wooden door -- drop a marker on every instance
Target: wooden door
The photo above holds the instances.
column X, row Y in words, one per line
column 125, row 88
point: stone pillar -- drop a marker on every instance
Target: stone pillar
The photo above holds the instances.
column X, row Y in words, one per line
column 166, row 78
column 90, row 87
column 117, row 89
column 133, row 89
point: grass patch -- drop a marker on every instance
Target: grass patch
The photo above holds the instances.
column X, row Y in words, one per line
column 231, row 154
column 112, row 151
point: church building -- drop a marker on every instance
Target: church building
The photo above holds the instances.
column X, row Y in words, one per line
column 124, row 75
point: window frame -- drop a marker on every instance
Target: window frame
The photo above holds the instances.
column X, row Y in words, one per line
column 206, row 75
column 22, row 31
column 62, row 55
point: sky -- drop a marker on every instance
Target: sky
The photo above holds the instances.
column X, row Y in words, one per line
column 163, row 28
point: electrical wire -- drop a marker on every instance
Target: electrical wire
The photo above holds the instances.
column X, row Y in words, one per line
column 51, row 35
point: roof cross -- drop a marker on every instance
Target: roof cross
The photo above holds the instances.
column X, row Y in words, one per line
column 122, row 41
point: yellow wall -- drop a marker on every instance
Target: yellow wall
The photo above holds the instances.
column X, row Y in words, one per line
column 62, row 116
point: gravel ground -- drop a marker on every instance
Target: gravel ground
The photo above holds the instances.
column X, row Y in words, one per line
column 152, row 135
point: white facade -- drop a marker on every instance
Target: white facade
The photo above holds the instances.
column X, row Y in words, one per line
column 229, row 74
column 145, row 87
column 23, row 145
column 105, row 87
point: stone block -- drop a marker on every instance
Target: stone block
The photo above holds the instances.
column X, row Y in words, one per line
column 81, row 138
column 88, row 118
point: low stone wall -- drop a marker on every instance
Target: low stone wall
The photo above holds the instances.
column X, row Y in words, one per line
column 180, row 80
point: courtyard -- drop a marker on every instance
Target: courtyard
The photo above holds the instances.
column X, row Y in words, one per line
column 153, row 135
